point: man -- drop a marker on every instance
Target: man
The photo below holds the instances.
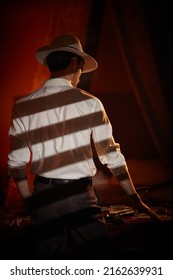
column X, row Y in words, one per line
column 52, row 129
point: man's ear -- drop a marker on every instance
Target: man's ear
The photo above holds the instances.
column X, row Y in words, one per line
column 74, row 64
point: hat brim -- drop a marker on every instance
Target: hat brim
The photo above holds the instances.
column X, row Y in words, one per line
column 90, row 64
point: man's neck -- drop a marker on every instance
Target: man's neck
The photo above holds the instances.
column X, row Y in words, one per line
column 58, row 75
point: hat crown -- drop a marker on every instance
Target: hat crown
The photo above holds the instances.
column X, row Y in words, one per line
column 67, row 41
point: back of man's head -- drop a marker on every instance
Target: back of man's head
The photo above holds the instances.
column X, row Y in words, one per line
column 59, row 60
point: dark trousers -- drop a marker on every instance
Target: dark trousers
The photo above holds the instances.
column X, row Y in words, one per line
column 67, row 221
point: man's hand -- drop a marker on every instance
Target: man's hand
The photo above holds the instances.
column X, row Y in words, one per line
column 140, row 207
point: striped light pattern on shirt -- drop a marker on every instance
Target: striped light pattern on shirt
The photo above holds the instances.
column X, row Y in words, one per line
column 53, row 127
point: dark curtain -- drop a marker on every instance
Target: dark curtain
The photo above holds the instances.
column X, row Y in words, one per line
column 130, row 28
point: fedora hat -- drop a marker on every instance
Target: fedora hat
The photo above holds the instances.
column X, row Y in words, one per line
column 68, row 43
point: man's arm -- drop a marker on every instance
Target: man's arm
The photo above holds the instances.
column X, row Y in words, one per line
column 23, row 187
column 125, row 180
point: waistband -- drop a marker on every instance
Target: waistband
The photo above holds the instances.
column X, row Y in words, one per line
column 54, row 181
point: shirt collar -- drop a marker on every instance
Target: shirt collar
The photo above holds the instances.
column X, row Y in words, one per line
column 58, row 82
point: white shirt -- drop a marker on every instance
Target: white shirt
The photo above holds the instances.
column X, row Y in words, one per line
column 52, row 129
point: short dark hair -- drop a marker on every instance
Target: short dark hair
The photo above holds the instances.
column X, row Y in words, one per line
column 59, row 60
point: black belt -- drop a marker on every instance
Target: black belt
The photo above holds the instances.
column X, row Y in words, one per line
column 53, row 181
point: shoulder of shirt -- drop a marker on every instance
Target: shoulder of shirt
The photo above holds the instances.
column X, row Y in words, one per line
column 26, row 97
column 33, row 94
column 89, row 95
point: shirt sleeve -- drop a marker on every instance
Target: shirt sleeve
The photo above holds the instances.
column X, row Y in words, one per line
column 108, row 150
column 19, row 154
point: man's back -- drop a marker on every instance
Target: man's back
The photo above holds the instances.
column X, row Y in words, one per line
column 56, row 123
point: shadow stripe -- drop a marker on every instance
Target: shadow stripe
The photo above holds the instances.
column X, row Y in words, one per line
column 64, row 159
column 56, row 130
column 51, row 101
